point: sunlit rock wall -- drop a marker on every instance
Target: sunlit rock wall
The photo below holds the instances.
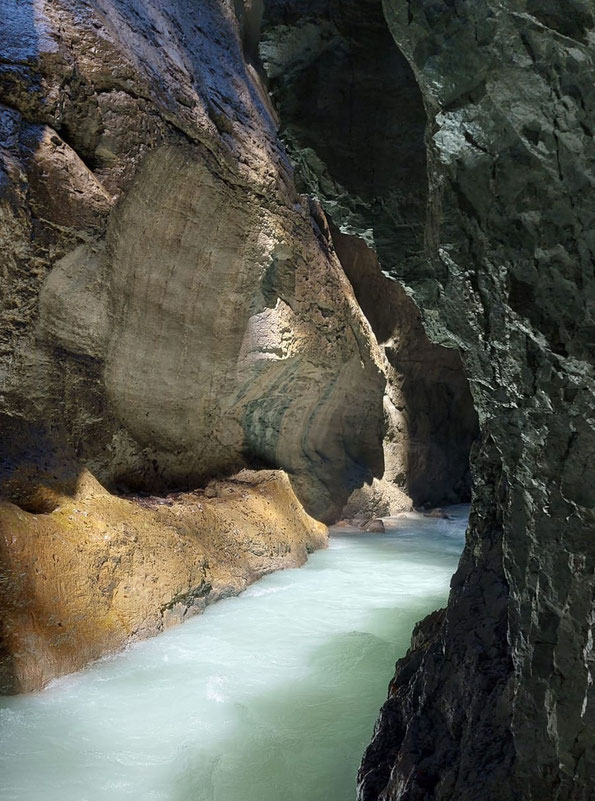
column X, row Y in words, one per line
column 431, row 423
column 100, row 571
column 171, row 309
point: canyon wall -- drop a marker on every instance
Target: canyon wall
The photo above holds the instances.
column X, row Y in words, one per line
column 172, row 311
column 465, row 161
column 496, row 698
column 352, row 117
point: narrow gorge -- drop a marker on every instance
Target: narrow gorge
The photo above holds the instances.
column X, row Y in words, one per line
column 270, row 267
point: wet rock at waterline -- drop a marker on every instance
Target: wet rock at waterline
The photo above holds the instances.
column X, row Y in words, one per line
column 100, row 571
column 496, row 699
column 268, row 695
column 375, row 526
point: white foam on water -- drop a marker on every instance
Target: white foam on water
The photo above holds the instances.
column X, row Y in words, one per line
column 271, row 695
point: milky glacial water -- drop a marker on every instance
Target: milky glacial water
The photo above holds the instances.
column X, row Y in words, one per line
column 270, row 696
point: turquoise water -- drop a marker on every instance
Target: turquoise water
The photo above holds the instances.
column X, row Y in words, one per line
column 270, row 696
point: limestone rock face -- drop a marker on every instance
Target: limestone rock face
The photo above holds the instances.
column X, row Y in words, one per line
column 171, row 308
column 172, row 311
column 353, row 119
column 381, row 498
column 100, row 571
column 495, row 699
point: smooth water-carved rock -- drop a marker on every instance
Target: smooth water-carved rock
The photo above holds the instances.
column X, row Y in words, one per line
column 358, row 145
column 172, row 308
column 172, row 311
column 99, row 571
column 431, row 420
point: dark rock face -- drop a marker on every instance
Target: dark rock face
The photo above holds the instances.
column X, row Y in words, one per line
column 495, row 699
column 463, row 159
column 353, row 119
column 348, row 104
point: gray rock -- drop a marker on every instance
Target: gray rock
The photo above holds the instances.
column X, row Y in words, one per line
column 376, row 526
column 342, row 135
column 495, row 699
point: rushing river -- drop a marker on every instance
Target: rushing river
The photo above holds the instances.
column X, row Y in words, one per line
column 270, row 696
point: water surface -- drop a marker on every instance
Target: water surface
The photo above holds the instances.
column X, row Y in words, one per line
column 270, row 696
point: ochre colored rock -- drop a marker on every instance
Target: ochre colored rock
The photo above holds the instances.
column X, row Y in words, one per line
column 380, row 498
column 100, row 571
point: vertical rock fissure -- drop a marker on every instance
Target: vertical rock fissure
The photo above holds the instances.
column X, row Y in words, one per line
column 495, row 699
column 353, row 120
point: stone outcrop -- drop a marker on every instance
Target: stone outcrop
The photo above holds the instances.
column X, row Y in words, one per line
column 171, row 307
column 495, row 699
column 358, row 146
column 100, row 571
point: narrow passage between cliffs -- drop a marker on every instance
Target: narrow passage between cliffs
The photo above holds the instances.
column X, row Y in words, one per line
column 268, row 696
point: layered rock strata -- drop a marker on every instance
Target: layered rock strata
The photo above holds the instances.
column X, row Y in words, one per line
column 100, row 571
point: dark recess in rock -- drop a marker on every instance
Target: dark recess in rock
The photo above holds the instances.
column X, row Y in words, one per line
column 496, row 698
column 426, row 380
column 353, row 120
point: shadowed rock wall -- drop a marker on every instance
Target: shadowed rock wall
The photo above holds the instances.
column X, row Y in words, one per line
column 431, row 420
column 353, row 119
column 495, row 699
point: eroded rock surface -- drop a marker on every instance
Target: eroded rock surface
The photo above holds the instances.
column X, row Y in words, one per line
column 431, row 423
column 495, row 699
column 99, row 571
column 172, row 311
column 171, row 307
column 353, row 120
